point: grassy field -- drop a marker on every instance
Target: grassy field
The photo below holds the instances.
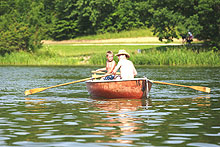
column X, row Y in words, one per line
column 145, row 32
column 73, row 54
column 64, row 55
column 95, row 55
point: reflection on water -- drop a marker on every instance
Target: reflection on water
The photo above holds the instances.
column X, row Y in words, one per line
column 66, row 116
column 117, row 113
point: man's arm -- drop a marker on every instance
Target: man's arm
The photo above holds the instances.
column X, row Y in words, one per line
column 117, row 67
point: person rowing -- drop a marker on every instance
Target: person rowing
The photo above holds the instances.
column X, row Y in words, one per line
column 126, row 67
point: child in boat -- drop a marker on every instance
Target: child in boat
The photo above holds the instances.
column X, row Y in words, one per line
column 127, row 68
column 110, row 65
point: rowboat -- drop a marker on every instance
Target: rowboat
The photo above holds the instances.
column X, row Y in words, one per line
column 136, row 88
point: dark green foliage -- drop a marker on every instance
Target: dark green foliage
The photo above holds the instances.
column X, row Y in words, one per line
column 22, row 26
column 24, row 23
column 173, row 18
column 209, row 14
column 83, row 17
column 15, row 38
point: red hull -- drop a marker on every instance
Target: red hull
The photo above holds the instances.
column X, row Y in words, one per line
column 136, row 88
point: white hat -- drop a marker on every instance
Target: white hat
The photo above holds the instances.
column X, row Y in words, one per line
column 123, row 52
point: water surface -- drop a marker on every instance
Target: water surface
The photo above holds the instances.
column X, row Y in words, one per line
column 67, row 116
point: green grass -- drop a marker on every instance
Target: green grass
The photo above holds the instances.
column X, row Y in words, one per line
column 87, row 50
column 177, row 57
column 70, row 54
column 169, row 55
column 24, row 58
column 95, row 55
column 62, row 55
column 144, row 32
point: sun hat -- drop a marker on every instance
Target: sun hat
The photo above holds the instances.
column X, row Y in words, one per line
column 123, row 52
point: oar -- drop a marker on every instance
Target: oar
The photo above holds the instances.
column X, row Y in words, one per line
column 36, row 90
column 102, row 72
column 199, row 88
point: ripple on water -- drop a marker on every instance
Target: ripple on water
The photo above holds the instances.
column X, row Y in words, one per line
column 198, row 144
column 71, row 136
column 4, row 138
column 45, row 119
column 174, row 141
column 184, row 135
column 105, row 128
column 218, row 134
column 187, row 125
column 71, row 123
column 139, row 135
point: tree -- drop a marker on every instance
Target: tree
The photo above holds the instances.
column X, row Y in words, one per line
column 209, row 19
column 15, row 37
column 65, row 23
column 66, row 19
column 165, row 23
column 22, row 27
column 173, row 18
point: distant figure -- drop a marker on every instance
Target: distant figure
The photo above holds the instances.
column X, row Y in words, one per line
column 110, row 65
column 189, row 38
column 127, row 68
column 183, row 38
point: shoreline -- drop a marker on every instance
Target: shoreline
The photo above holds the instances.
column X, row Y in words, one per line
column 140, row 40
column 93, row 55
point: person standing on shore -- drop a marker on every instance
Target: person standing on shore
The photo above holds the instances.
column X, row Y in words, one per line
column 189, row 37
column 126, row 67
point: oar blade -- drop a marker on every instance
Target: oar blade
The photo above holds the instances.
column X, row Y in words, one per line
column 32, row 91
column 203, row 89
column 199, row 88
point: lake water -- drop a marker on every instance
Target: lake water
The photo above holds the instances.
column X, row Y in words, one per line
column 67, row 116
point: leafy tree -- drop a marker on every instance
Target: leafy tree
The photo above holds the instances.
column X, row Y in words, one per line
column 64, row 24
column 165, row 22
column 16, row 37
column 22, row 27
column 209, row 19
column 66, row 19
column 173, row 18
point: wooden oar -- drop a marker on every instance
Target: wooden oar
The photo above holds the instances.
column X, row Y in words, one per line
column 199, row 88
column 36, row 90
column 102, row 72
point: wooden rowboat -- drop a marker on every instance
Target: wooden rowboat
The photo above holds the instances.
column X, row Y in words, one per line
column 135, row 89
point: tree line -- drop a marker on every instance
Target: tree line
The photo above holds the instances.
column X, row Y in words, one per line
column 24, row 23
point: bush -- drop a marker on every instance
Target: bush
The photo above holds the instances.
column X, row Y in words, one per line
column 17, row 37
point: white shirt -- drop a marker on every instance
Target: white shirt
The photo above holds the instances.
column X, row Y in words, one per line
column 127, row 69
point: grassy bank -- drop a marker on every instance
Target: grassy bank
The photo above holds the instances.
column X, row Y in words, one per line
column 70, row 54
column 62, row 55
column 169, row 55
column 95, row 55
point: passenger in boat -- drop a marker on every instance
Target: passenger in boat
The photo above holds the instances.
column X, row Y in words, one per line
column 127, row 68
column 110, row 65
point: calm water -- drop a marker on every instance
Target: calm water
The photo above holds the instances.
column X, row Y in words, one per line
column 67, row 116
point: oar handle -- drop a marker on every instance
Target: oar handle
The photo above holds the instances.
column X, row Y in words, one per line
column 101, row 72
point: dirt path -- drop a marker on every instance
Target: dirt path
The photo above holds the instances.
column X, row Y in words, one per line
column 118, row 40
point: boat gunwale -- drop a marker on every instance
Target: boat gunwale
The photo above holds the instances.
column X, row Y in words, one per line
column 118, row 80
